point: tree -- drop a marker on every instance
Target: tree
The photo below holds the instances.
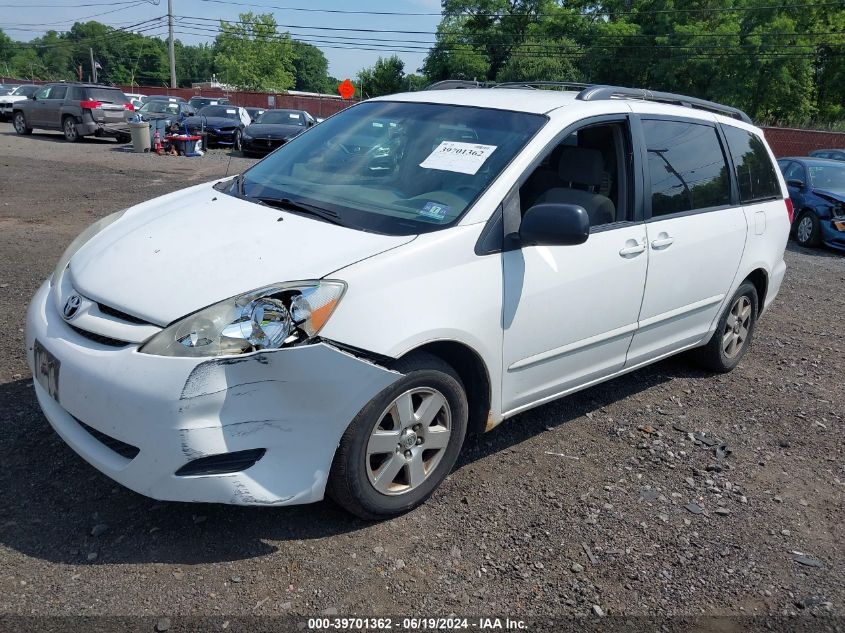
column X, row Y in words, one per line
column 253, row 56
column 386, row 77
column 310, row 68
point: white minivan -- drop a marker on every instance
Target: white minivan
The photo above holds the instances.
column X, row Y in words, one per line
column 417, row 267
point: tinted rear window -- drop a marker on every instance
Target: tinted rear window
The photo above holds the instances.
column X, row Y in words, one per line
column 687, row 167
column 755, row 173
column 106, row 95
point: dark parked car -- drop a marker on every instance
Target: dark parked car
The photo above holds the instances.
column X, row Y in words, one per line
column 817, row 189
column 222, row 124
column 200, row 102
column 76, row 109
column 163, row 98
column 275, row 128
column 157, row 109
column 835, row 154
column 254, row 113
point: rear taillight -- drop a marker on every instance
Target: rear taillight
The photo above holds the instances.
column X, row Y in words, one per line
column 89, row 105
column 129, row 106
column 790, row 210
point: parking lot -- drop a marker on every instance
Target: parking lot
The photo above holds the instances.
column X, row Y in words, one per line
column 612, row 501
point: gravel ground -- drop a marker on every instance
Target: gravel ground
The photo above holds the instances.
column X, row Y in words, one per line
column 610, row 501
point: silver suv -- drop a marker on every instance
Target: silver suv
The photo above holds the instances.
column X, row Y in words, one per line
column 76, row 109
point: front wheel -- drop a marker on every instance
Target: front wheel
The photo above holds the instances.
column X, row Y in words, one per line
column 808, row 231
column 21, row 126
column 732, row 338
column 236, row 141
column 403, row 443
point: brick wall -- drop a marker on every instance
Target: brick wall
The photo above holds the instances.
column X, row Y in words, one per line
column 786, row 141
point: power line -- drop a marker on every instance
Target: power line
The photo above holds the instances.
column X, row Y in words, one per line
column 74, row 6
column 74, row 20
column 563, row 13
column 462, row 33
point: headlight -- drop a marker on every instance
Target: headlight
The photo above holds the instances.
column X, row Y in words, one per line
column 269, row 318
column 80, row 241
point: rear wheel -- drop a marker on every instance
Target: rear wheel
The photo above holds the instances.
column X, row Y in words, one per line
column 20, row 124
column 732, row 337
column 69, row 128
column 807, row 229
column 403, row 443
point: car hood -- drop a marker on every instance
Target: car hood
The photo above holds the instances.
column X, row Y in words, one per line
column 12, row 98
column 274, row 130
column 211, row 121
column 174, row 255
column 836, row 194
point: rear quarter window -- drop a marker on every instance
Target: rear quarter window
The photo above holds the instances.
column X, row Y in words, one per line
column 755, row 173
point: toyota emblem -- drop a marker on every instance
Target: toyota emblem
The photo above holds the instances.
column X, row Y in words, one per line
column 71, row 306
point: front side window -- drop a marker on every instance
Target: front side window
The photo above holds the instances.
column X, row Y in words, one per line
column 393, row 167
column 588, row 168
column 44, row 93
column 687, row 167
column 793, row 171
column 755, row 174
column 58, row 92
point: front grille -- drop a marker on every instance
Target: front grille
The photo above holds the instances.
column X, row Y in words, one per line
column 222, row 464
column 121, row 448
column 120, row 315
column 98, row 338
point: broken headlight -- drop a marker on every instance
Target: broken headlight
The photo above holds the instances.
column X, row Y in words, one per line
column 268, row 318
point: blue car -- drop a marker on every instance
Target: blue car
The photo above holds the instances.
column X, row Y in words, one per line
column 817, row 189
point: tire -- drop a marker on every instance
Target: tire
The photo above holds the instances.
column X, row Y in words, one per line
column 69, row 129
column 123, row 138
column 807, row 229
column 733, row 335
column 236, row 141
column 360, row 479
column 19, row 121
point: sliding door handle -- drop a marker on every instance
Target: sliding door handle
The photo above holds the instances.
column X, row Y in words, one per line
column 632, row 247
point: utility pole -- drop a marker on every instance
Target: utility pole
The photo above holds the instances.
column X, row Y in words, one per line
column 93, row 65
column 172, row 51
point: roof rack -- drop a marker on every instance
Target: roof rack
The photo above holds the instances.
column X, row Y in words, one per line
column 602, row 93
column 451, row 84
column 566, row 85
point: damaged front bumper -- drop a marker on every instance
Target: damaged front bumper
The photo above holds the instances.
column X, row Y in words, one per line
column 140, row 418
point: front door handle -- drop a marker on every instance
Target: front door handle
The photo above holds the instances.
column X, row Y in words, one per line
column 663, row 241
column 632, row 247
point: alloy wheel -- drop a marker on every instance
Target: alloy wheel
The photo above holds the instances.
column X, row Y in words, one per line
column 805, row 229
column 408, row 441
column 70, row 129
column 737, row 327
column 20, row 124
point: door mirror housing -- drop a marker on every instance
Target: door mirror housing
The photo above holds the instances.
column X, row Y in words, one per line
column 794, row 182
column 554, row 224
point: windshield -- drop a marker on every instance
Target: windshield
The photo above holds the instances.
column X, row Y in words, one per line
column 7, row 90
column 827, row 176
column 160, row 107
column 392, row 167
column 283, row 117
column 222, row 111
column 25, row 91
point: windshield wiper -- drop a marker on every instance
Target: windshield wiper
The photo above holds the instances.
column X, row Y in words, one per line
column 299, row 207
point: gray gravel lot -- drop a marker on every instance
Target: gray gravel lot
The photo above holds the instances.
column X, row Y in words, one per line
column 610, row 498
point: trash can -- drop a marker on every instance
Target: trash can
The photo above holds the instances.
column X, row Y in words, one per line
column 140, row 136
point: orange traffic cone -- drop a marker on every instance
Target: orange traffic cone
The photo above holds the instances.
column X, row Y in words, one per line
column 157, row 143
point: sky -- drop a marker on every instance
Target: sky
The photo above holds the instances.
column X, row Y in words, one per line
column 28, row 20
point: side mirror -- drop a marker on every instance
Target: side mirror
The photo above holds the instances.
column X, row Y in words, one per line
column 794, row 182
column 32, row 96
column 554, row 224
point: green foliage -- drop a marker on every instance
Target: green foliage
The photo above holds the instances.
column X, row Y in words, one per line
column 250, row 54
column 311, row 69
column 386, row 77
column 784, row 64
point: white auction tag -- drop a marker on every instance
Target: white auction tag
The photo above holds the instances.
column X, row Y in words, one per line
column 464, row 158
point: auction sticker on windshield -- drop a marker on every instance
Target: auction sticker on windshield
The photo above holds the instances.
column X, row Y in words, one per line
column 464, row 158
